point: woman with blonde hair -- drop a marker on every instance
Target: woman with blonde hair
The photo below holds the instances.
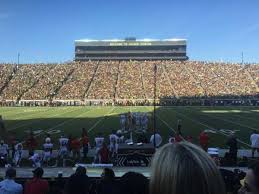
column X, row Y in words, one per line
column 184, row 168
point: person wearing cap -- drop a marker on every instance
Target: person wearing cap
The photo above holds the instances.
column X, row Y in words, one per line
column 9, row 186
column 37, row 185
column 78, row 183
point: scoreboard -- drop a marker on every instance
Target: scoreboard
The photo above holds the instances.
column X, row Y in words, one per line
column 130, row 49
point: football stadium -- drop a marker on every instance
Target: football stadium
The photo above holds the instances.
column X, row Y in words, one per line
column 129, row 115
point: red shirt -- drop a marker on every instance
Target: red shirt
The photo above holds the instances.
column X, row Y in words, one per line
column 36, row 186
column 204, row 138
column 31, row 143
column 104, row 153
column 75, row 144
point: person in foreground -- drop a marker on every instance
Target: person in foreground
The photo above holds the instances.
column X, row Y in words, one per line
column 251, row 182
column 9, row 186
column 37, row 185
column 184, row 168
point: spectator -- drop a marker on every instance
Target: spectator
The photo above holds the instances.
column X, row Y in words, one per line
column 134, row 183
column 78, row 183
column 37, row 185
column 204, row 140
column 254, row 138
column 251, row 182
column 108, row 184
column 9, row 186
column 192, row 172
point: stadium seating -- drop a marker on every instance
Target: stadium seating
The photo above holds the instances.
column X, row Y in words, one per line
column 129, row 80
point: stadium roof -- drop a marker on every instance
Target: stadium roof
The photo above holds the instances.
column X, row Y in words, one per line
column 120, row 40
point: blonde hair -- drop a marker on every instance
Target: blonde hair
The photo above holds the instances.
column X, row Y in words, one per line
column 184, row 168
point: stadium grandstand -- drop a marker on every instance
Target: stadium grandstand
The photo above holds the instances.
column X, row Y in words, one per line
column 130, row 49
column 121, row 81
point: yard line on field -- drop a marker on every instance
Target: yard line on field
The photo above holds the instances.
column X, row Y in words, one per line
column 209, row 127
column 22, row 112
column 35, row 121
column 163, row 121
column 99, row 120
column 227, row 120
column 62, row 123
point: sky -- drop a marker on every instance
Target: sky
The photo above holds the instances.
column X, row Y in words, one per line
column 44, row 31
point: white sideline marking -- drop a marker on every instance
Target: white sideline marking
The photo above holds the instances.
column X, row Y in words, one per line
column 97, row 122
column 26, row 124
column 220, row 132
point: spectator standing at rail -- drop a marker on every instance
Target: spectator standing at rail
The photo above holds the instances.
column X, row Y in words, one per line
column 254, row 138
column 9, row 186
column 37, row 185
column 85, row 143
column 204, row 140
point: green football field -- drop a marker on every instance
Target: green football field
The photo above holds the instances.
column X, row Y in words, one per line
column 219, row 121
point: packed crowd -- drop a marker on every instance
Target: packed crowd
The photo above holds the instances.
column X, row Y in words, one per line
column 127, row 80
column 193, row 171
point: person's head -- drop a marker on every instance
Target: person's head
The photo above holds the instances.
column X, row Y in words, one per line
column 10, row 173
column 38, row 172
column 254, row 131
column 251, row 182
column 113, row 131
column 47, row 140
column 80, row 171
column 108, row 174
column 2, row 142
column 184, row 168
column 134, row 183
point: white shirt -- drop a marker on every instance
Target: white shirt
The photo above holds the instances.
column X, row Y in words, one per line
column 113, row 139
column 47, row 147
column 254, row 138
column 3, row 149
column 158, row 139
column 63, row 143
column 99, row 142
